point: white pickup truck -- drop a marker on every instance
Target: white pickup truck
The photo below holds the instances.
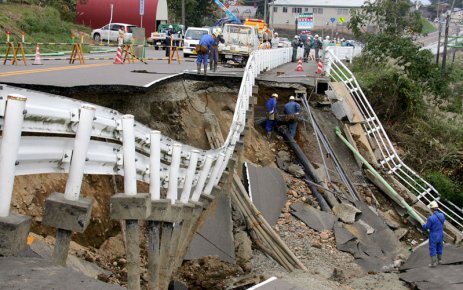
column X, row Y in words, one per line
column 240, row 41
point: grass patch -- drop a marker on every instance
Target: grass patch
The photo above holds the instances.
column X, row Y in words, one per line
column 428, row 27
column 40, row 24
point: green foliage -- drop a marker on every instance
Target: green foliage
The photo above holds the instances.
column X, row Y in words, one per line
column 389, row 16
column 446, row 187
column 427, row 26
column 197, row 12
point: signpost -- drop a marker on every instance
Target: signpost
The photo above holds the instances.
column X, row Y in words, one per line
column 305, row 21
column 142, row 11
column 342, row 20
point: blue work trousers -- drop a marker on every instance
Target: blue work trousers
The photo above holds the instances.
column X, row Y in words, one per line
column 202, row 58
column 292, row 128
column 269, row 125
column 435, row 246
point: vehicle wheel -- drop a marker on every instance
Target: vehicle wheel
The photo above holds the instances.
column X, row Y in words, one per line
column 97, row 37
column 186, row 55
column 156, row 47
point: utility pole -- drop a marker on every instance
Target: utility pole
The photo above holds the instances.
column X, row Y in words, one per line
column 265, row 11
column 438, row 41
column 446, row 35
column 183, row 13
column 272, row 11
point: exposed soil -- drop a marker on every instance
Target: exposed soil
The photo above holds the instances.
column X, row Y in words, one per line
column 183, row 110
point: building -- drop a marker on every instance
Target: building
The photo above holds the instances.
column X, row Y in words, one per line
column 243, row 12
column 97, row 13
column 283, row 13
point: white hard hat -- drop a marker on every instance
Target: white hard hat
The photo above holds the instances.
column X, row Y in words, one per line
column 316, row 35
column 291, row 98
column 433, row 204
column 327, row 37
column 276, row 33
column 275, row 95
column 218, row 31
column 170, row 26
column 296, row 37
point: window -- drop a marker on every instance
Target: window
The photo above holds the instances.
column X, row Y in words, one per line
column 343, row 11
column 285, row 9
column 275, row 9
column 318, row 11
column 306, row 9
column 297, row 10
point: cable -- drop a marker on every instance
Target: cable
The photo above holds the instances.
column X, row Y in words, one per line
column 189, row 99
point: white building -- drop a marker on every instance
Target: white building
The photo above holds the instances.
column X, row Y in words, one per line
column 283, row 13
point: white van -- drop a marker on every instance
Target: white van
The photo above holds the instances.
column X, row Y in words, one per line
column 192, row 36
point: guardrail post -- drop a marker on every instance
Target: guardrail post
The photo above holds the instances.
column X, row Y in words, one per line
column 130, row 205
column 68, row 212
column 14, row 228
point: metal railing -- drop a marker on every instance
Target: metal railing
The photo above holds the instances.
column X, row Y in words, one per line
column 390, row 160
column 159, row 160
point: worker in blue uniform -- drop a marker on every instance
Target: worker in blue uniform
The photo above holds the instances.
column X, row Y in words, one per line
column 435, row 225
column 202, row 49
column 291, row 111
column 271, row 108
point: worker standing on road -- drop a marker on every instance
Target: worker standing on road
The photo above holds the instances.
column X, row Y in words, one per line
column 295, row 45
column 275, row 40
column 317, row 44
column 202, row 49
column 168, row 40
column 291, row 111
column 271, row 108
column 121, row 36
column 214, row 53
column 435, row 225
column 307, row 46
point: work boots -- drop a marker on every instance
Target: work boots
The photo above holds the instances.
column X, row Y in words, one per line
column 269, row 136
column 198, row 68
column 215, row 66
column 439, row 259
column 211, row 65
column 205, row 69
column 433, row 262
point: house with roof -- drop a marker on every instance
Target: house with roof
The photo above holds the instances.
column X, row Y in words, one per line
column 243, row 12
column 283, row 13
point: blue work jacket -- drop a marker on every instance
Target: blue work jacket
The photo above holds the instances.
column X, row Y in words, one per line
column 271, row 105
column 435, row 225
column 292, row 108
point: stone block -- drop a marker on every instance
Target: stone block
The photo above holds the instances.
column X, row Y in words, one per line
column 164, row 211
column 130, row 207
column 206, row 200
column 342, row 110
column 255, row 90
column 13, row 233
column 71, row 215
column 239, row 145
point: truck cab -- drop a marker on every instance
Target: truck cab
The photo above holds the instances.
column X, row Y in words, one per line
column 192, row 37
column 158, row 37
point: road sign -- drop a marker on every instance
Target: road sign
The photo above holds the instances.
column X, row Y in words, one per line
column 341, row 20
column 305, row 21
column 142, row 7
column 332, row 19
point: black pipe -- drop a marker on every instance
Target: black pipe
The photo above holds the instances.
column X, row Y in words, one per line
column 308, row 168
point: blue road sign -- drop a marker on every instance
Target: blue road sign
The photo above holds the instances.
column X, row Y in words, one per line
column 332, row 19
column 142, row 7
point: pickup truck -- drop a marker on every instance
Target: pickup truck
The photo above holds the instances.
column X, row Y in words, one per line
column 158, row 38
column 240, row 41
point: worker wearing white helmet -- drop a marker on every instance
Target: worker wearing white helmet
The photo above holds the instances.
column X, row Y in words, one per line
column 168, row 41
column 214, row 51
column 317, row 45
column 435, row 225
column 295, row 44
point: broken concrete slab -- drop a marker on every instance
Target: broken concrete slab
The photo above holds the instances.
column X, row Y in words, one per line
column 346, row 212
column 342, row 235
column 420, row 257
column 445, row 276
column 296, row 170
column 367, row 227
column 369, row 216
column 37, row 273
column 390, row 219
column 267, row 190
column 274, row 283
column 215, row 237
column 400, row 233
column 314, row 218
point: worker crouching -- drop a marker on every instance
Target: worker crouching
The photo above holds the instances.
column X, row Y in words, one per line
column 291, row 111
column 202, row 49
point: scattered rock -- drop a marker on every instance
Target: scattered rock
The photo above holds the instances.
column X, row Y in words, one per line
column 325, row 235
column 346, row 212
column 316, row 244
column 338, row 275
column 390, row 218
column 367, row 227
column 243, row 250
column 398, row 263
column 400, row 233
column 296, row 170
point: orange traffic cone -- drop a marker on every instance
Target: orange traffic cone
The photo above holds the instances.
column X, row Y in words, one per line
column 37, row 60
column 299, row 65
column 320, row 67
column 119, row 56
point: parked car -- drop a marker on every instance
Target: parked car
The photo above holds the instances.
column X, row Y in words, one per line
column 284, row 42
column 111, row 32
column 158, row 37
column 192, row 37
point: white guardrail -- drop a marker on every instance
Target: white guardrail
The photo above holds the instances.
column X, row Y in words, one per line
column 390, row 160
column 159, row 160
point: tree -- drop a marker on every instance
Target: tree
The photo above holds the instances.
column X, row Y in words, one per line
column 197, row 12
column 388, row 16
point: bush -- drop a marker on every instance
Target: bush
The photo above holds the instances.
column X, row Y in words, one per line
column 446, row 187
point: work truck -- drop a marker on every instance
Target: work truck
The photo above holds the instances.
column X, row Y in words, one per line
column 240, row 41
column 158, row 37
